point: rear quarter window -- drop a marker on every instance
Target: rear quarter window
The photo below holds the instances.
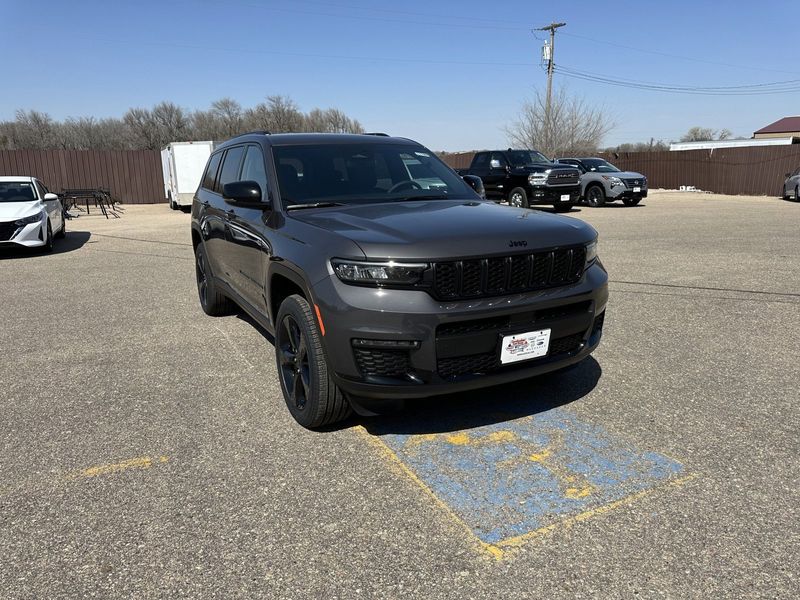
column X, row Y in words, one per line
column 211, row 172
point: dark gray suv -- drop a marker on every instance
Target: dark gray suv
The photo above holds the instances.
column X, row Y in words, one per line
column 383, row 276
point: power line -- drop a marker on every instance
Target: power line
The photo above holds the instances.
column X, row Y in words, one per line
column 678, row 56
column 754, row 89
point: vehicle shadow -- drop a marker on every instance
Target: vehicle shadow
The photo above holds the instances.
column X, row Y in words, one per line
column 487, row 406
column 73, row 241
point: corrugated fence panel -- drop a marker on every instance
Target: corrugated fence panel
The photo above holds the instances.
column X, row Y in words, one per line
column 133, row 176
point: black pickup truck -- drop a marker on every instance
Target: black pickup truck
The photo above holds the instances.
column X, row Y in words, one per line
column 526, row 178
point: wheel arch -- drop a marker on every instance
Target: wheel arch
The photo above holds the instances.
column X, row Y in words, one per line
column 282, row 283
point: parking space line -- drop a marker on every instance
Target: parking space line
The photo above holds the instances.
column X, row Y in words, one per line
column 510, row 482
column 142, row 462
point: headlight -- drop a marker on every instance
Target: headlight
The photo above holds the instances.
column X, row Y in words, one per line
column 613, row 180
column 378, row 273
column 591, row 252
column 538, row 178
column 28, row 220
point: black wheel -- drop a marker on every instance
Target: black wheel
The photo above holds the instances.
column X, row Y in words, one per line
column 563, row 207
column 63, row 232
column 631, row 201
column 311, row 395
column 212, row 301
column 797, row 194
column 518, row 197
column 172, row 204
column 595, row 195
column 48, row 243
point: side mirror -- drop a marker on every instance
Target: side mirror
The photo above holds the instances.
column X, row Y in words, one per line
column 244, row 193
column 494, row 163
column 476, row 183
column 593, row 169
column 50, row 197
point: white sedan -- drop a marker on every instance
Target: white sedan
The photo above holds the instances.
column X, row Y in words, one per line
column 29, row 214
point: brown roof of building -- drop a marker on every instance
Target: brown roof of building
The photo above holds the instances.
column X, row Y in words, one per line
column 784, row 125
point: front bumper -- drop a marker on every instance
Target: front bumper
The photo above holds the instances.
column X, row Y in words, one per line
column 30, row 235
column 451, row 346
column 553, row 195
column 620, row 192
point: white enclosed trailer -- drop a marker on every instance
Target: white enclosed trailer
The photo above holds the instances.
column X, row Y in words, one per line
column 183, row 164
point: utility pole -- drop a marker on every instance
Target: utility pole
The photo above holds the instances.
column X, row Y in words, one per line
column 550, row 68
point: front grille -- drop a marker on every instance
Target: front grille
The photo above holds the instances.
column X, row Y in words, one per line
column 498, row 275
column 480, row 364
column 633, row 182
column 563, row 177
column 475, row 326
column 7, row 230
column 382, row 363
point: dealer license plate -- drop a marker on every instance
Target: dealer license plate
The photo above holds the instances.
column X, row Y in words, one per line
column 565, row 197
column 523, row 346
column 637, row 189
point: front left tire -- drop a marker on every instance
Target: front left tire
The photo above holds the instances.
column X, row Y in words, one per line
column 48, row 242
column 311, row 395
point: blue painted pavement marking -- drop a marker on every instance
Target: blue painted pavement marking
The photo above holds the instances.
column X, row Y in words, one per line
column 511, row 478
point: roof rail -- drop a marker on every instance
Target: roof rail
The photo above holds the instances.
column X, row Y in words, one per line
column 256, row 132
column 377, row 133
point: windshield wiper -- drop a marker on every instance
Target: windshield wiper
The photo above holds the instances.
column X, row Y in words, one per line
column 313, row 205
column 422, row 197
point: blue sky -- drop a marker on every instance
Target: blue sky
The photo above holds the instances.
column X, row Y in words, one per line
column 449, row 74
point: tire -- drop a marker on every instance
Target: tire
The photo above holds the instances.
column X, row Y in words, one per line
column 595, row 196
column 518, row 197
column 48, row 243
column 797, row 194
column 311, row 396
column 213, row 303
column 631, row 201
column 563, row 207
column 172, row 204
column 62, row 234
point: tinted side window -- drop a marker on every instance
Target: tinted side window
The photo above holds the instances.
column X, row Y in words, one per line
column 40, row 188
column 482, row 160
column 230, row 167
column 253, row 168
column 211, row 171
column 500, row 158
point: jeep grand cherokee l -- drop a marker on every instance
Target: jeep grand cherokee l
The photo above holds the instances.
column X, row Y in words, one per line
column 383, row 276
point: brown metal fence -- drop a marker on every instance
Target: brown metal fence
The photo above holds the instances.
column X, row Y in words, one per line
column 758, row 170
column 133, row 176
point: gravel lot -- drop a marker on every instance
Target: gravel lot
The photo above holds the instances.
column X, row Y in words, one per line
column 147, row 453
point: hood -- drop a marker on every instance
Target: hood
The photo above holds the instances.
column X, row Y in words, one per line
column 540, row 167
column 442, row 229
column 10, row 211
column 629, row 175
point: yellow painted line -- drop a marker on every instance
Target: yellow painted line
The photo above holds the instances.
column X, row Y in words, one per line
column 142, row 462
column 389, row 454
column 519, row 540
column 502, row 549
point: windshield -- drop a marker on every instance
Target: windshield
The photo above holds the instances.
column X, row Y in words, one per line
column 522, row 158
column 599, row 165
column 363, row 173
column 16, row 191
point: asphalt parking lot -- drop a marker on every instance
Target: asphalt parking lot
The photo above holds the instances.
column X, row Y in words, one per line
column 147, row 452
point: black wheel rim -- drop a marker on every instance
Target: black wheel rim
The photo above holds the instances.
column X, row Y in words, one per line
column 594, row 196
column 202, row 280
column 294, row 363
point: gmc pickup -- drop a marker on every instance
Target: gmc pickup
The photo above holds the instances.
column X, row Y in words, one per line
column 525, row 178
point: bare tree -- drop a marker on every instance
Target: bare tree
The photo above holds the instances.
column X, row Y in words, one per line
column 166, row 122
column 573, row 128
column 705, row 134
